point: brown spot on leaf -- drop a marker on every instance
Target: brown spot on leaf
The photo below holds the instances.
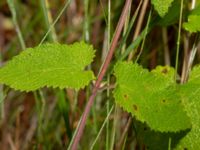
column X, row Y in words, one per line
column 163, row 100
column 164, row 71
column 135, row 107
column 125, row 96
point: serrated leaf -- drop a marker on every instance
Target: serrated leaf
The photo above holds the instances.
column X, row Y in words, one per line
column 191, row 99
column 150, row 96
column 51, row 65
column 193, row 24
column 162, row 6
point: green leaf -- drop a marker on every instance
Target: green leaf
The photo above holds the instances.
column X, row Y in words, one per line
column 193, row 24
column 190, row 93
column 150, row 96
column 172, row 16
column 51, row 65
column 156, row 140
column 195, row 75
column 162, row 6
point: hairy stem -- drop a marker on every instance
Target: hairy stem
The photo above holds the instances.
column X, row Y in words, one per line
column 101, row 75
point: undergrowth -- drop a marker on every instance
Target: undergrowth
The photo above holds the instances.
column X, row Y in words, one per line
column 100, row 74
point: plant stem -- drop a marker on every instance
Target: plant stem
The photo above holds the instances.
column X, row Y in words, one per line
column 101, row 129
column 123, row 137
column 166, row 47
column 146, row 31
column 86, row 21
column 55, row 21
column 14, row 18
column 101, row 75
column 178, row 40
column 108, row 78
column 48, row 18
column 139, row 24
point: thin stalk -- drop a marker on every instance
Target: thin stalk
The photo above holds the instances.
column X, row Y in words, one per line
column 145, row 34
column 48, row 18
column 116, row 117
column 86, row 21
column 39, row 108
column 63, row 104
column 55, row 21
column 101, row 129
column 166, row 47
column 126, row 28
column 169, row 143
column 136, row 42
column 101, row 75
column 104, row 12
column 108, row 78
column 2, row 96
column 14, row 18
column 188, row 56
column 185, row 59
column 124, row 134
column 124, row 144
column 139, row 24
column 74, row 135
column 192, row 55
column 178, row 40
column 129, row 27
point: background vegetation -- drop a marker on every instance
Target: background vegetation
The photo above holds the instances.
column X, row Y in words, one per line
column 47, row 119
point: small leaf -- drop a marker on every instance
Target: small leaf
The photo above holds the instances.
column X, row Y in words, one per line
column 193, row 24
column 150, row 96
column 51, row 65
column 162, row 6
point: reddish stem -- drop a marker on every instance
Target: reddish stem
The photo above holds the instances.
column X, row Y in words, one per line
column 101, row 75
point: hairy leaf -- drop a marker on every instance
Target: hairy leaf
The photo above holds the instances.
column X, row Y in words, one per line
column 191, row 99
column 162, row 6
column 51, row 65
column 150, row 96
